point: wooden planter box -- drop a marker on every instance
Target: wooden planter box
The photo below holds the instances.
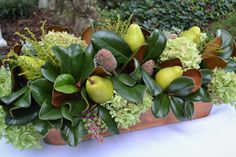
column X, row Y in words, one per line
column 147, row 121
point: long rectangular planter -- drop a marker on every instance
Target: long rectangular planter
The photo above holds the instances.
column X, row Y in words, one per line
column 147, row 121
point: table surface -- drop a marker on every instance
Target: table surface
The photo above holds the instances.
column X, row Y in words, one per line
column 214, row 135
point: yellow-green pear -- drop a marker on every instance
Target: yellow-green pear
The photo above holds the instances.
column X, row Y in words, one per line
column 193, row 34
column 134, row 37
column 166, row 75
column 99, row 89
column 196, row 30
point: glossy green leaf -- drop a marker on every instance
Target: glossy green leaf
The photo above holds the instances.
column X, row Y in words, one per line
column 90, row 50
column 49, row 112
column 56, row 123
column 41, row 89
column 136, row 74
column 156, row 45
column 126, row 79
column 25, row 100
column 151, row 84
column 72, row 110
column 74, row 61
column 71, row 134
column 65, row 83
column 181, row 86
column 114, row 43
column 82, row 131
column 161, row 106
column 41, row 126
column 106, row 117
column 227, row 43
column 189, row 110
column 200, row 95
column 22, row 116
column 11, row 98
column 50, row 72
column 231, row 66
column 206, row 75
column 134, row 94
column 177, row 107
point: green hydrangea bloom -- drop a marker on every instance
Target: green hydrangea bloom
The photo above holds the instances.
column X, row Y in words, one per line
column 223, row 87
column 125, row 113
column 51, row 39
column 5, row 81
column 185, row 50
column 21, row 137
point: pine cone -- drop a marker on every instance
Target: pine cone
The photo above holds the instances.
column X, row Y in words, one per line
column 106, row 59
column 148, row 66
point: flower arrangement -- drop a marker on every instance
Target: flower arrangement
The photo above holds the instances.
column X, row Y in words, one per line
column 106, row 79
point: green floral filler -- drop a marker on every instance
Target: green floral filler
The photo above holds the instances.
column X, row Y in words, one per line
column 21, row 137
column 125, row 113
column 185, row 50
column 5, row 82
column 222, row 87
column 51, row 39
column 43, row 48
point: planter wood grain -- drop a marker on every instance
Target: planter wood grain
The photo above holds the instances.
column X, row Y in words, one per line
column 147, row 121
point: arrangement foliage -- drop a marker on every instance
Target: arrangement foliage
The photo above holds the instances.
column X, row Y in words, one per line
column 164, row 15
column 103, row 81
column 15, row 9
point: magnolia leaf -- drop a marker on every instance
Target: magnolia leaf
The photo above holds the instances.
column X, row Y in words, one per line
column 134, row 94
column 22, row 116
column 71, row 134
column 151, row 84
column 227, row 43
column 41, row 89
column 65, row 113
column 231, row 66
column 86, row 35
column 189, row 110
column 206, row 76
column 212, row 48
column 181, row 86
column 201, row 94
column 41, row 126
column 156, row 45
column 25, row 100
column 214, row 62
column 177, row 107
column 56, row 123
column 50, row 72
column 112, row 42
column 106, row 117
column 74, row 61
column 196, row 76
column 171, row 63
column 161, row 106
column 126, row 79
column 58, row 98
column 11, row 98
column 82, row 131
column 48, row 111
column 65, row 83
column 136, row 74
column 100, row 71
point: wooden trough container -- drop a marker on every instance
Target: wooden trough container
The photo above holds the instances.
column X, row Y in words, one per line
column 147, row 121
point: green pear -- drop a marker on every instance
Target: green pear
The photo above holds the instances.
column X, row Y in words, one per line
column 134, row 37
column 193, row 34
column 99, row 89
column 166, row 75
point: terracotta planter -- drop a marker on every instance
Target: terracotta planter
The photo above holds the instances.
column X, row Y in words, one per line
column 147, row 121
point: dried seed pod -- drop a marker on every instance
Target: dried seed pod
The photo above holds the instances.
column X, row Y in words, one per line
column 106, row 59
column 148, row 66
